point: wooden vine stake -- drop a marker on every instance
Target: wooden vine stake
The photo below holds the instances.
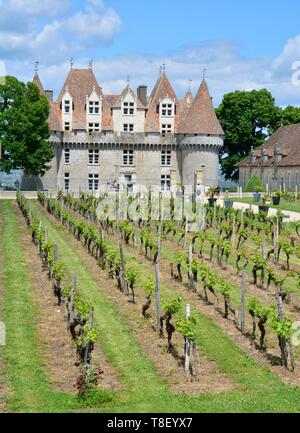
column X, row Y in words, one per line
column 123, row 270
column 187, row 344
column 157, row 280
column 87, row 347
column 72, row 298
column 233, row 231
column 242, row 218
column 243, row 290
column 185, row 232
column 62, row 210
column 191, row 279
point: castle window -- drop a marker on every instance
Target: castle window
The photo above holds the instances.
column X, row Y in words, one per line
column 67, row 106
column 67, row 156
column 167, row 110
column 94, row 107
column 67, row 181
column 128, row 108
column 128, row 127
column 94, row 127
column 93, row 182
column 165, row 182
column 128, row 182
column 165, row 128
column 94, row 157
column 166, row 158
column 127, row 157
column 67, row 126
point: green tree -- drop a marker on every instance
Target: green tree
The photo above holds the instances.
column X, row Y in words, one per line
column 247, row 118
column 290, row 115
column 24, row 129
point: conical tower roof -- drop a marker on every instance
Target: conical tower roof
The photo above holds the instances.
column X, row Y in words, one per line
column 36, row 80
column 201, row 118
column 161, row 90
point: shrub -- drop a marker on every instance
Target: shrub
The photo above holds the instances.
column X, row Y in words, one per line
column 254, row 185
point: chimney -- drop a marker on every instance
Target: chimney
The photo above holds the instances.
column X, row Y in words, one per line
column 49, row 94
column 142, row 95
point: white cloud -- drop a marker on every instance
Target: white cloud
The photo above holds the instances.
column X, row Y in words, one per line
column 39, row 29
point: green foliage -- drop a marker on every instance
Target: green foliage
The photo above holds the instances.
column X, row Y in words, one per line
column 254, row 185
column 24, row 130
column 283, row 328
column 173, row 306
column 58, row 271
column 96, row 397
column 150, row 286
column 186, row 327
column 247, row 119
column 131, row 276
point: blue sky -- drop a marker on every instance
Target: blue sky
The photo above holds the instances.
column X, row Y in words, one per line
column 243, row 45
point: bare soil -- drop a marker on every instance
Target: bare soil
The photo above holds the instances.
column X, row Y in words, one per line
column 56, row 347
column 170, row 366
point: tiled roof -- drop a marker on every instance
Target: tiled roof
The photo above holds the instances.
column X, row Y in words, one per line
column 287, row 142
column 162, row 89
column 80, row 84
column 54, row 119
column 201, row 118
column 36, row 80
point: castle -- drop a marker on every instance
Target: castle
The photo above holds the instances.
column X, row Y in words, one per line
column 103, row 141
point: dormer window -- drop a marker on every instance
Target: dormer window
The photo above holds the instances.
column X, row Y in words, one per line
column 67, row 106
column 94, row 107
column 166, row 128
column 94, row 127
column 128, row 108
column 67, row 126
column 167, row 110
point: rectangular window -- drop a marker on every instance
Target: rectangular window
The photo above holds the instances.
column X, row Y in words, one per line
column 67, row 126
column 128, row 182
column 67, row 181
column 127, row 157
column 128, row 127
column 165, row 182
column 94, row 107
column 167, row 110
column 94, row 157
column 166, row 128
column 166, row 158
column 94, row 127
column 67, row 106
column 128, row 108
column 67, row 156
column 93, row 182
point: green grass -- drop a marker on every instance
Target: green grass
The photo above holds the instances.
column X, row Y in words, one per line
column 259, row 390
column 284, row 204
column 29, row 389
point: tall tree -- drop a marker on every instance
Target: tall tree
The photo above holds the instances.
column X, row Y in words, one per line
column 290, row 115
column 247, row 118
column 24, row 129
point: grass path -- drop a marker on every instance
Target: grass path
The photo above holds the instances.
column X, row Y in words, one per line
column 24, row 372
column 260, row 390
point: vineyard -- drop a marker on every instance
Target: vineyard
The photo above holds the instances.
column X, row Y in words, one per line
column 135, row 315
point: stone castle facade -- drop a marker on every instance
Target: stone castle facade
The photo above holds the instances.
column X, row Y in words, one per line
column 129, row 140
